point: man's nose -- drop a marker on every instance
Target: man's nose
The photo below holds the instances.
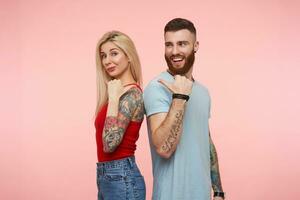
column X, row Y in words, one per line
column 175, row 50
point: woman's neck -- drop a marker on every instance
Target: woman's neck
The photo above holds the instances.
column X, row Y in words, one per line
column 127, row 78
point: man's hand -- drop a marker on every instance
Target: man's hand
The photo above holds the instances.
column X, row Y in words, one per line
column 181, row 85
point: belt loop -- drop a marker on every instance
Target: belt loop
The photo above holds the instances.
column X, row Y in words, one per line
column 100, row 171
column 130, row 162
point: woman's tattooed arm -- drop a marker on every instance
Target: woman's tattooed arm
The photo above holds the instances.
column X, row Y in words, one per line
column 130, row 108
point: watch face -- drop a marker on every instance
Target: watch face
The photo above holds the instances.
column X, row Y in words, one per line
column 219, row 194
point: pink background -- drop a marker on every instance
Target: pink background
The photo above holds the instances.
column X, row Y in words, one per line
column 248, row 58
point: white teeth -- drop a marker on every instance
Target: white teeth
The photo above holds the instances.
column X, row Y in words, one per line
column 177, row 59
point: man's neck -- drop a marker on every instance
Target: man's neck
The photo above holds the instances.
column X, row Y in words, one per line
column 188, row 75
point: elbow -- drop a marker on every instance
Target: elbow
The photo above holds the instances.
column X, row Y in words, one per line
column 108, row 150
column 164, row 154
column 163, row 148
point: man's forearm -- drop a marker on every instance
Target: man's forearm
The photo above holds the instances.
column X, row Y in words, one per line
column 167, row 135
column 214, row 170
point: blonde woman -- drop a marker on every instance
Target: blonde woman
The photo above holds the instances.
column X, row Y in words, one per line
column 119, row 115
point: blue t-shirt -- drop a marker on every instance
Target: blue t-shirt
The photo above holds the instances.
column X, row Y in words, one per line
column 186, row 174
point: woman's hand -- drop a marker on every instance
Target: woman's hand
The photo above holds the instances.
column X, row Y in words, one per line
column 115, row 90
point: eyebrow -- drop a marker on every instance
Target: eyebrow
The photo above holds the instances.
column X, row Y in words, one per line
column 110, row 50
column 181, row 41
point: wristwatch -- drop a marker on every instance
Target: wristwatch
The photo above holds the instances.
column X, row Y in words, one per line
column 219, row 194
column 180, row 96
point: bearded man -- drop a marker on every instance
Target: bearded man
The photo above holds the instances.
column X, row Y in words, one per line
column 184, row 158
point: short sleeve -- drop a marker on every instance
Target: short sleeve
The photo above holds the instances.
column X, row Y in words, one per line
column 157, row 98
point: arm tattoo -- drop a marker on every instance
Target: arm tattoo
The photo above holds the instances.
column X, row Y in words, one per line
column 113, row 133
column 214, row 169
column 115, row 127
column 175, row 129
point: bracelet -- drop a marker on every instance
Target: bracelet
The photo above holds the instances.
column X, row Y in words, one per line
column 180, row 96
column 219, row 194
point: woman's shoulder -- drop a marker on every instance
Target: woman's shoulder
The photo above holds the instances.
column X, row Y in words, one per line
column 133, row 93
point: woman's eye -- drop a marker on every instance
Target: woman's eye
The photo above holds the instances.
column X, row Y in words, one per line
column 113, row 53
column 102, row 56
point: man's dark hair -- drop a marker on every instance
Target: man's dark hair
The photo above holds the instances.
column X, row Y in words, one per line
column 179, row 24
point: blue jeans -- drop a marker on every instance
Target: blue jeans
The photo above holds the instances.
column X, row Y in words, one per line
column 120, row 180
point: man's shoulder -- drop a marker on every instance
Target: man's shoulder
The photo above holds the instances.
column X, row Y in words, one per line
column 154, row 84
column 157, row 97
column 199, row 86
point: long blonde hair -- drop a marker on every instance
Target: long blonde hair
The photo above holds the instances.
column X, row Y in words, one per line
column 124, row 42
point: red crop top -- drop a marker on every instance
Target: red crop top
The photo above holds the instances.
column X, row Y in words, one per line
column 128, row 144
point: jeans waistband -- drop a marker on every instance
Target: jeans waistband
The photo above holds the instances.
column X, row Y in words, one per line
column 117, row 163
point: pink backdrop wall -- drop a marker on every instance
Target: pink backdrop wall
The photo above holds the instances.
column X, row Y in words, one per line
column 248, row 58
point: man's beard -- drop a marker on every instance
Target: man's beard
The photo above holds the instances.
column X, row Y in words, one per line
column 189, row 61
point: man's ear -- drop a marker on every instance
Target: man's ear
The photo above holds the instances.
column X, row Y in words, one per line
column 196, row 46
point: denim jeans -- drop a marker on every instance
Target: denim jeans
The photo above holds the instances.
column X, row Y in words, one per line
column 120, row 180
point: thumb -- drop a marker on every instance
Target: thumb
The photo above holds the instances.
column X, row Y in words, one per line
column 166, row 84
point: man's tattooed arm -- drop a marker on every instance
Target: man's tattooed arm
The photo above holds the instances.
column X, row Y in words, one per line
column 167, row 134
column 130, row 106
column 214, row 168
